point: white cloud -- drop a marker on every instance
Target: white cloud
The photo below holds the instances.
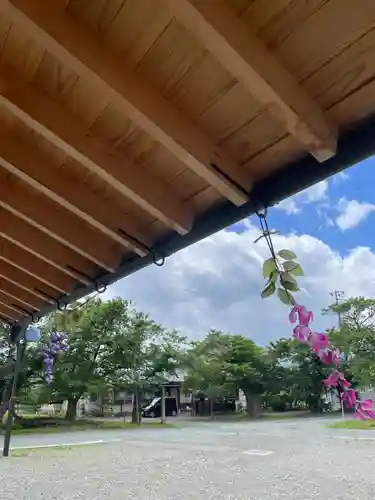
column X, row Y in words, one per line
column 289, row 206
column 217, row 282
column 352, row 213
column 317, row 192
column 341, row 176
column 313, row 194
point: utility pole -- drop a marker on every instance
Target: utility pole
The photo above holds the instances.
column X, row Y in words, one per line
column 337, row 295
column 162, row 403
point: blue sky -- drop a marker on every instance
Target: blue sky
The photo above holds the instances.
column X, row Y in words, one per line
column 216, row 283
column 350, row 195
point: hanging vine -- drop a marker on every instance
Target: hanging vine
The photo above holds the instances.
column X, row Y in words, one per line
column 280, row 270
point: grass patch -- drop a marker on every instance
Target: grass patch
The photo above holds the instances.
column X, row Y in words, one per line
column 244, row 417
column 354, row 424
column 56, row 425
column 286, row 415
column 50, row 450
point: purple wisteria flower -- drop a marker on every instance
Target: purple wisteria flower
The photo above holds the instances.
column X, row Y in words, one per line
column 58, row 342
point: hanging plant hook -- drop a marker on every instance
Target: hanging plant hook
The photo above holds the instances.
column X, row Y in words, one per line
column 157, row 258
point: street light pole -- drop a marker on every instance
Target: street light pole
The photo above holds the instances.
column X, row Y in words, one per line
column 337, row 295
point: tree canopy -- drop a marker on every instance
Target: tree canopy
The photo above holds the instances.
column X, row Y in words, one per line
column 113, row 346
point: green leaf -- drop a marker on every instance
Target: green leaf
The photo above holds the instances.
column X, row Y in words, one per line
column 297, row 271
column 289, row 265
column 284, row 296
column 290, row 286
column 287, row 254
column 273, row 277
column 288, row 278
column 289, row 282
column 268, row 290
column 269, row 267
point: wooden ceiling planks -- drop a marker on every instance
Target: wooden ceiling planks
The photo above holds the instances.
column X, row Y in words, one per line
column 259, row 71
column 125, row 121
column 82, row 53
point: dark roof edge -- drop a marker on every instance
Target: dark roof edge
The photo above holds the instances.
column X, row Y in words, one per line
column 354, row 145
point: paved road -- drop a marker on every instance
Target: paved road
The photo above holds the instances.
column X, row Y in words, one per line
column 299, row 459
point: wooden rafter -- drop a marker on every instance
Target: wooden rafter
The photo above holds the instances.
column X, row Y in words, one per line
column 8, row 313
column 25, row 160
column 83, row 53
column 60, row 225
column 28, row 289
column 18, row 294
column 40, row 245
column 50, row 120
column 245, row 57
column 35, row 267
column 14, row 309
column 34, row 286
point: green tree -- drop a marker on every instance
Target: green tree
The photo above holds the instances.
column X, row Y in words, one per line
column 92, row 330
column 297, row 374
column 231, row 363
column 356, row 338
column 143, row 355
column 204, row 369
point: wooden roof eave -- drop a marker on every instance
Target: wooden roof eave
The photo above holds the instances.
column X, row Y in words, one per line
column 354, row 146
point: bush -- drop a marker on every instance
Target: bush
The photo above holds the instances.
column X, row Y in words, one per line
column 279, row 404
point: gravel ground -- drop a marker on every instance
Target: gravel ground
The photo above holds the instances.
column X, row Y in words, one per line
column 299, row 459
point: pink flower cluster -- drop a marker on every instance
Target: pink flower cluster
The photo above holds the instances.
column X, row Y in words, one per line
column 317, row 341
column 328, row 355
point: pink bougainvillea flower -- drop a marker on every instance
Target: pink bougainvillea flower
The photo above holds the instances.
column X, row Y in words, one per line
column 318, row 341
column 304, row 316
column 366, row 404
column 293, row 314
column 360, row 415
column 302, row 333
column 364, row 410
column 331, row 380
column 325, row 356
column 349, row 397
column 334, row 378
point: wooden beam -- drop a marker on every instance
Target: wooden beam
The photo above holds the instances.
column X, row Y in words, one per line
column 19, row 199
column 35, row 267
column 8, row 313
column 261, row 73
column 18, row 303
column 28, row 289
column 9, row 306
column 19, row 294
column 67, row 40
column 50, row 120
column 73, row 197
column 40, row 245
column 25, row 281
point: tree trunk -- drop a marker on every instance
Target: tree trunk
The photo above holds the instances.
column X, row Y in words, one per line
column 71, row 410
column 212, row 407
column 136, row 413
column 139, row 409
column 134, row 409
column 252, row 404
